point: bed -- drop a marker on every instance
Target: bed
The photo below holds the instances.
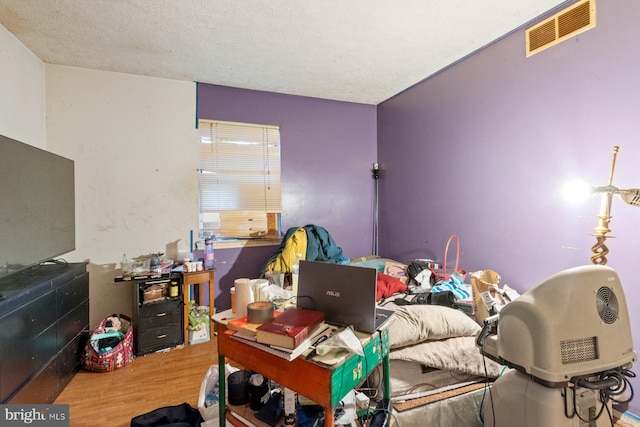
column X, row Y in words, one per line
column 438, row 376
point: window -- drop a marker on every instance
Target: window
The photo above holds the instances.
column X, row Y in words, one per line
column 240, row 194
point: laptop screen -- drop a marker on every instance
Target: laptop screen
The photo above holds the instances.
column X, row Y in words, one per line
column 346, row 294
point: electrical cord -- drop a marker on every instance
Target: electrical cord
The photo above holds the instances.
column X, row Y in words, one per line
column 34, row 269
column 630, row 374
column 384, row 405
column 575, row 413
column 366, row 361
column 372, row 384
column 609, row 385
column 484, row 393
column 375, row 418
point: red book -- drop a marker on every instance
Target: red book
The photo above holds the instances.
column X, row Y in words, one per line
column 290, row 328
column 241, row 324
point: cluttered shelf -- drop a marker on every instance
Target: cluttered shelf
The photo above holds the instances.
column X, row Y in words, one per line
column 162, row 298
column 432, row 347
column 323, row 381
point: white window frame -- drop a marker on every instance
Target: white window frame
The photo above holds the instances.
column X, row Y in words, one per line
column 239, row 179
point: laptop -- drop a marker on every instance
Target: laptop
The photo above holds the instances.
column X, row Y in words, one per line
column 345, row 293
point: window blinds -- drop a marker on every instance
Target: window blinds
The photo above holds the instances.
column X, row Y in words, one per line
column 239, row 167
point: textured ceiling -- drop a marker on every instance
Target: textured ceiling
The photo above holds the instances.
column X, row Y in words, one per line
column 361, row 51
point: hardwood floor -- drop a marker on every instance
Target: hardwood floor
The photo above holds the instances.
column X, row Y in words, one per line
column 111, row 399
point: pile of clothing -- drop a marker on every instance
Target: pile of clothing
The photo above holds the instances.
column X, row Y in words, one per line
column 313, row 242
column 111, row 336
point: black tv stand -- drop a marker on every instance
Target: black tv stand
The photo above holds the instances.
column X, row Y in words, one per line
column 45, row 322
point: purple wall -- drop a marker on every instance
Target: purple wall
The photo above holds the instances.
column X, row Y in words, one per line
column 483, row 148
column 328, row 148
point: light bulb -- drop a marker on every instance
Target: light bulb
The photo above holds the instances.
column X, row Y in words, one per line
column 576, row 191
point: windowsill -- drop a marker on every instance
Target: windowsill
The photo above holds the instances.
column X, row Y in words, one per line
column 229, row 243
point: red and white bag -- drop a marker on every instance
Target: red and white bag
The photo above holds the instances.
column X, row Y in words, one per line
column 106, row 360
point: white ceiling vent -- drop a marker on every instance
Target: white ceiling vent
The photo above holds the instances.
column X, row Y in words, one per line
column 561, row 26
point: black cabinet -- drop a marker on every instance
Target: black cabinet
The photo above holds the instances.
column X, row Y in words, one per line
column 157, row 318
column 44, row 323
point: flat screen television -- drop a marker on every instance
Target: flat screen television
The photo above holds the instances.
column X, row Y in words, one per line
column 37, row 206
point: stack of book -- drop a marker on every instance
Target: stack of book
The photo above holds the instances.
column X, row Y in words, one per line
column 244, row 327
column 288, row 334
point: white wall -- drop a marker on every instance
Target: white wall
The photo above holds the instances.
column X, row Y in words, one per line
column 22, row 93
column 134, row 143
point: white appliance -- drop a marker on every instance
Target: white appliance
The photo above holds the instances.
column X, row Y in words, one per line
column 565, row 338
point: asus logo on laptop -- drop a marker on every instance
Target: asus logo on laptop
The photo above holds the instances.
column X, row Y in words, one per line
column 333, row 294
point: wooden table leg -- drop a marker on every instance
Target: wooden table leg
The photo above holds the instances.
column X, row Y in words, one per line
column 197, row 278
column 212, row 308
column 185, row 312
column 328, row 417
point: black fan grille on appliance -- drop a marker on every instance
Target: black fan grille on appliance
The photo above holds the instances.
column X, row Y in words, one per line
column 607, row 305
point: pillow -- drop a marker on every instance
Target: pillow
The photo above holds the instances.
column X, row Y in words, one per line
column 412, row 324
column 376, row 263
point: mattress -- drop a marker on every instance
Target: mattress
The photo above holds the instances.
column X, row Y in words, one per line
column 411, row 380
column 463, row 410
column 424, row 396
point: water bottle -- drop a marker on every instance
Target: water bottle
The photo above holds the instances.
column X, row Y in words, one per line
column 208, row 253
column 295, row 272
column 125, row 265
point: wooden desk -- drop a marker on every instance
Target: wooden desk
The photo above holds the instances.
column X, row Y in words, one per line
column 197, row 278
column 325, row 386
